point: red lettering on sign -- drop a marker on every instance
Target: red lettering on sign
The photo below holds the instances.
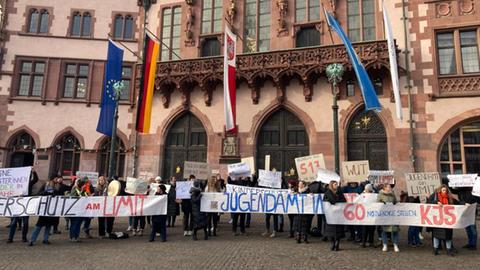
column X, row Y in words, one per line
column 358, row 211
column 127, row 202
column 448, row 211
column 105, row 204
column 142, row 200
column 438, row 220
column 93, row 206
column 424, row 210
column 347, row 213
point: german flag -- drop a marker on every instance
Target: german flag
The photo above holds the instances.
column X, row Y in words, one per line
column 145, row 97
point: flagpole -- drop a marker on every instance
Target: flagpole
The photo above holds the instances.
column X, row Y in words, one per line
column 118, row 86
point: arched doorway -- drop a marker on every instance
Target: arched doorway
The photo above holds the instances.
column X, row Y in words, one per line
column 186, row 141
column 66, row 155
column 284, row 138
column 367, row 140
column 460, row 151
column 21, row 150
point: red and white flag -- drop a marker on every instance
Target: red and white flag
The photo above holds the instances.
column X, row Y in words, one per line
column 229, row 88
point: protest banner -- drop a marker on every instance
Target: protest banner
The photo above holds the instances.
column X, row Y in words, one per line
column 461, row 180
column 183, row 189
column 422, row 184
column 201, row 170
column 238, row 170
column 307, row 166
column 365, row 198
column 408, row 214
column 381, row 177
column 269, row 179
column 93, row 206
column 355, row 171
column 476, row 188
column 92, row 176
column 251, row 163
column 14, row 181
column 267, row 163
column 272, row 203
column 325, row 176
column 242, row 189
column 136, row 186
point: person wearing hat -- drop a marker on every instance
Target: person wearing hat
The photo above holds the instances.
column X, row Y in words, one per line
column 334, row 195
column 159, row 222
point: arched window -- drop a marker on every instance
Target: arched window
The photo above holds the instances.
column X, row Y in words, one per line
column 104, row 157
column 367, row 140
column 284, row 137
column 33, row 21
column 44, row 22
column 460, row 151
column 81, row 24
column 210, row 47
column 118, row 26
column 66, row 155
column 21, row 150
column 128, row 30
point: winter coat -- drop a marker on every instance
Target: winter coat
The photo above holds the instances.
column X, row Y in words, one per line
column 388, row 198
column 441, row 233
column 334, row 231
column 47, row 220
column 159, row 218
column 173, row 208
column 302, row 222
column 199, row 218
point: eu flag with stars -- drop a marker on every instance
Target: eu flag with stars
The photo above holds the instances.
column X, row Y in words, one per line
column 113, row 74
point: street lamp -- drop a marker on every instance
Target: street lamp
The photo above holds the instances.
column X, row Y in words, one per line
column 334, row 74
column 118, row 87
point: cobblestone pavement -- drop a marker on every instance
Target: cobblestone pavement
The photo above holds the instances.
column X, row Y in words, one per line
column 223, row 252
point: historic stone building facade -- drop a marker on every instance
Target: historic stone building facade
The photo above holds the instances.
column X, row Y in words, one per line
column 284, row 100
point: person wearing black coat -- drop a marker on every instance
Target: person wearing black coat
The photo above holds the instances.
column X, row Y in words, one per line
column 465, row 197
column 44, row 221
column 187, row 213
column 442, row 197
column 199, row 217
column 159, row 222
column 173, row 209
column 238, row 216
column 302, row 222
column 334, row 195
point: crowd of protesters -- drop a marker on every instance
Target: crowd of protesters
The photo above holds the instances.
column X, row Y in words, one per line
column 301, row 226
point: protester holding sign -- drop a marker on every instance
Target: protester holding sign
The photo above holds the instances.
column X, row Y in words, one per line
column 24, row 220
column 199, row 217
column 293, row 188
column 173, row 208
column 387, row 196
column 78, row 190
column 368, row 231
column 414, row 231
column 101, row 190
column 236, row 217
column 302, row 221
column 334, row 195
column 44, row 221
column 159, row 221
column 465, row 196
column 442, row 196
column 213, row 186
column 187, row 213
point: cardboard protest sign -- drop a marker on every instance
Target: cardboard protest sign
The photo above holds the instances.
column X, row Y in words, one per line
column 325, row 176
column 136, row 186
column 476, row 188
column 243, row 189
column 267, row 163
column 183, row 189
column 237, row 170
column 366, row 198
column 307, row 166
column 14, row 181
column 269, row 179
column 355, row 171
column 407, row 214
column 92, row 177
column 381, row 177
column 201, row 170
column 91, row 206
column 461, row 180
column 251, row 163
column 422, row 184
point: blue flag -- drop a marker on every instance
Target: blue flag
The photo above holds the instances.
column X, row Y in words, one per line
column 368, row 91
column 113, row 74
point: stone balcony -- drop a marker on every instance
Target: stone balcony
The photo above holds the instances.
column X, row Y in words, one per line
column 306, row 64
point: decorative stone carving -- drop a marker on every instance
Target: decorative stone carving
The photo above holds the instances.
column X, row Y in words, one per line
column 253, row 68
column 466, row 7
column 231, row 12
column 190, row 20
column 189, row 2
column 459, row 86
column 444, row 9
column 282, row 6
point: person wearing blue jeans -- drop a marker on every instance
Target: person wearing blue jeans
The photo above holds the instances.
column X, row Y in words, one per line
column 267, row 225
column 13, row 227
column 75, row 226
column 36, row 232
column 414, row 236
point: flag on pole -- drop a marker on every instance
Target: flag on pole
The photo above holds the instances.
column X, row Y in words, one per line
column 368, row 91
column 393, row 62
column 147, row 83
column 229, row 88
column 113, row 74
